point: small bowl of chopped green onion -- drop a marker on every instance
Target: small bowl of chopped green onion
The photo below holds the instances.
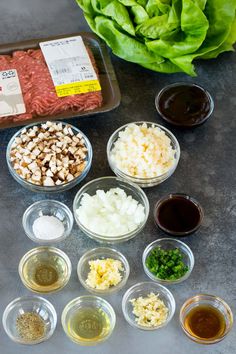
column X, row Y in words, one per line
column 168, row 261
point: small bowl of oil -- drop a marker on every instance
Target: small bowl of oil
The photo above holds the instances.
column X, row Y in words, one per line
column 206, row 319
column 45, row 269
column 88, row 320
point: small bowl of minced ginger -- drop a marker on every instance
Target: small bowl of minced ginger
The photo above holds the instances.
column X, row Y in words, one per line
column 103, row 270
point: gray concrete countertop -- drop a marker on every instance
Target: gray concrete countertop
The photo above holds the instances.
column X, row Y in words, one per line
column 206, row 171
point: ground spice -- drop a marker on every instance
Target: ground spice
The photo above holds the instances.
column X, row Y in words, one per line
column 30, row 326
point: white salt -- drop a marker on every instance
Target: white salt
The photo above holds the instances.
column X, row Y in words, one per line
column 48, row 228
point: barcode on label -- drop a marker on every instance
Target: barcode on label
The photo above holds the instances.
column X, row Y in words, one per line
column 59, row 71
column 88, row 76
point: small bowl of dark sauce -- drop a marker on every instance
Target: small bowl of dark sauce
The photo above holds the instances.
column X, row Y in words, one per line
column 184, row 104
column 178, row 214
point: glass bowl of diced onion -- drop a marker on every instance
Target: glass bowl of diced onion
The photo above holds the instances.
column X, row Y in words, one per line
column 111, row 209
column 64, row 184
column 143, row 152
column 148, row 306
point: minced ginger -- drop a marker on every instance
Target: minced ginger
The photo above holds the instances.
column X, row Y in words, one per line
column 104, row 273
column 150, row 311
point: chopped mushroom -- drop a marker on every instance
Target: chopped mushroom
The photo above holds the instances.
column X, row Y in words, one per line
column 49, row 154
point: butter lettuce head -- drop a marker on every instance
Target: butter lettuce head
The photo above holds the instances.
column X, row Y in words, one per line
column 164, row 35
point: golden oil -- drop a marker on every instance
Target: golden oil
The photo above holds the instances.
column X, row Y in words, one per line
column 44, row 270
column 89, row 325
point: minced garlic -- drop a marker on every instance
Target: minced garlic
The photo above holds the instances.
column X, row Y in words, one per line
column 150, row 311
column 104, row 273
column 142, row 151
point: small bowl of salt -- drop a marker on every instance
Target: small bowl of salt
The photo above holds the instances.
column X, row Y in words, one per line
column 47, row 221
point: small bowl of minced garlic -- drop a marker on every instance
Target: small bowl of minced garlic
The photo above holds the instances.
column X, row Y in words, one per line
column 148, row 306
column 103, row 270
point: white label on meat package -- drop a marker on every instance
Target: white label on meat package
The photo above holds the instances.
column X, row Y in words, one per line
column 11, row 99
column 70, row 66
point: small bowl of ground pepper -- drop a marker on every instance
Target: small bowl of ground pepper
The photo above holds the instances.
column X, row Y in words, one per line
column 168, row 261
column 29, row 320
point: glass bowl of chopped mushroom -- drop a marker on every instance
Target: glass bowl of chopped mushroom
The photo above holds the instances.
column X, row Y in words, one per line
column 148, row 306
column 29, row 320
column 49, row 156
column 145, row 153
column 103, row 270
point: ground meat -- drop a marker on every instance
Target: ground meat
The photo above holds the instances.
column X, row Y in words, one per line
column 38, row 90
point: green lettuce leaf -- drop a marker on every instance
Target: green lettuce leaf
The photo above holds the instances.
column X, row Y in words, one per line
column 123, row 45
column 119, row 13
column 164, row 35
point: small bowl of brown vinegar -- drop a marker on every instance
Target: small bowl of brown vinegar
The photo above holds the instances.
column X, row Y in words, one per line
column 88, row 320
column 45, row 269
column 206, row 319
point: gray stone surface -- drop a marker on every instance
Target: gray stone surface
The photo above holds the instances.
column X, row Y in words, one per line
column 206, row 171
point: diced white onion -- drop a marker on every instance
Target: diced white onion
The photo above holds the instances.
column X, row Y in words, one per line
column 111, row 213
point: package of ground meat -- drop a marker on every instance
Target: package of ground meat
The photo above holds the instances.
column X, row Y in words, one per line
column 33, row 84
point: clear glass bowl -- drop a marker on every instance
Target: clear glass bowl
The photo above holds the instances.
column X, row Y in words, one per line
column 49, row 208
column 189, row 123
column 83, row 268
column 40, row 280
column 183, row 196
column 106, row 183
column 24, row 304
column 50, row 189
column 143, row 289
column 210, row 300
column 84, row 303
column 166, row 244
column 143, row 182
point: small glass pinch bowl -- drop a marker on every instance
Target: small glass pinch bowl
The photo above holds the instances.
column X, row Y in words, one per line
column 143, row 182
column 49, row 208
column 185, row 213
column 185, row 106
column 50, row 189
column 143, row 289
column 24, row 304
column 206, row 300
column 167, row 244
column 45, row 269
column 107, row 183
column 88, row 303
column 83, row 268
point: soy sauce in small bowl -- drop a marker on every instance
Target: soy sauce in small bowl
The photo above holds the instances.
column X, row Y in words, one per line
column 184, row 104
column 178, row 214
